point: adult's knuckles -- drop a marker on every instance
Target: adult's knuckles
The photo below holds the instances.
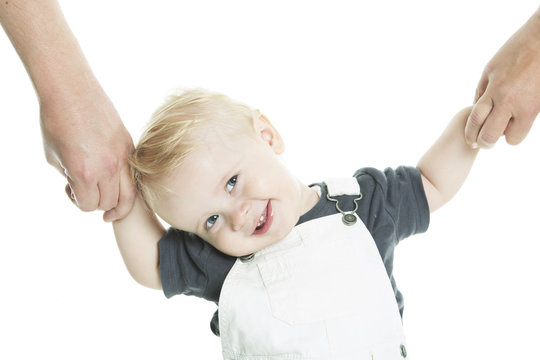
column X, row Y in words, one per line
column 110, row 165
column 505, row 95
column 82, row 174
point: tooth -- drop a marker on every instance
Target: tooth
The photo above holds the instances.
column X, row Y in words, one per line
column 261, row 221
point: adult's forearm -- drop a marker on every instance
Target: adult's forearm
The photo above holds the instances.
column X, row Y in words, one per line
column 47, row 47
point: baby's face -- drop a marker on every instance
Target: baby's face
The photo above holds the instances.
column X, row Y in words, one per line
column 235, row 193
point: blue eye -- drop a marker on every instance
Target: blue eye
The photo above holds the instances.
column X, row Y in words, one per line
column 231, row 183
column 211, row 221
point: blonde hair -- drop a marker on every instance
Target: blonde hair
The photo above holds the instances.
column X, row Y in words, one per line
column 172, row 134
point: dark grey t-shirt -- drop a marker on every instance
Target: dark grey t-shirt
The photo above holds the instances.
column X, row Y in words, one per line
column 393, row 207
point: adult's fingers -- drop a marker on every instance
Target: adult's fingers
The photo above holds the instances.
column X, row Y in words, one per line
column 494, row 126
column 126, row 197
column 85, row 192
column 477, row 117
column 481, row 88
column 517, row 129
column 109, row 189
column 70, row 194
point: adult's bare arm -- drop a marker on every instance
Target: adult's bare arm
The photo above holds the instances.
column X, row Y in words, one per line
column 508, row 95
column 83, row 135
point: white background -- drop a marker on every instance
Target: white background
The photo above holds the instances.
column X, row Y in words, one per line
column 374, row 81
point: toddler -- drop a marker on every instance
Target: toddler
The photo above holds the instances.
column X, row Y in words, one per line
column 297, row 271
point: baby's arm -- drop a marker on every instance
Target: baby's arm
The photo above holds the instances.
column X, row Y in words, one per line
column 447, row 163
column 137, row 236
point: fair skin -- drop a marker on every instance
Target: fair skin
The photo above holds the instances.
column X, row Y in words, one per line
column 507, row 97
column 247, row 200
column 83, row 136
column 86, row 141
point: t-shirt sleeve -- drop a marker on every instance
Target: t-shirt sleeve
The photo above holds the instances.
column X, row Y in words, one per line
column 398, row 195
column 188, row 265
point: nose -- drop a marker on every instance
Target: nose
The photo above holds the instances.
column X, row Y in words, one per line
column 239, row 215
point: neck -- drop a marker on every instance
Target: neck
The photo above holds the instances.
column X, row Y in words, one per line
column 309, row 197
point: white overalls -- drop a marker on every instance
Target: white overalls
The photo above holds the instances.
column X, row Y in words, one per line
column 320, row 293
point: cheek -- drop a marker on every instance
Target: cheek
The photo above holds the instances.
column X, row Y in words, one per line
column 226, row 243
column 175, row 219
column 271, row 178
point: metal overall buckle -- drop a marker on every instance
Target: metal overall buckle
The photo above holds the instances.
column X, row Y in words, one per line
column 349, row 218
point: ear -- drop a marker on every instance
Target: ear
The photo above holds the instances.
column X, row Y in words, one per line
column 269, row 134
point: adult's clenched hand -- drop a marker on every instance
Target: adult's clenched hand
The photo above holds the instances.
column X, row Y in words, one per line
column 507, row 98
column 86, row 141
column 83, row 135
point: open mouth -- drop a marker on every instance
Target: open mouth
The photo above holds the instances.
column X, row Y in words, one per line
column 265, row 220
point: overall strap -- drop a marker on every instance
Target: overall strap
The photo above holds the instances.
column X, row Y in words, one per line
column 342, row 186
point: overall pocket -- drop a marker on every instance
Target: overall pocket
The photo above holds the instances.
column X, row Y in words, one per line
column 306, row 285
